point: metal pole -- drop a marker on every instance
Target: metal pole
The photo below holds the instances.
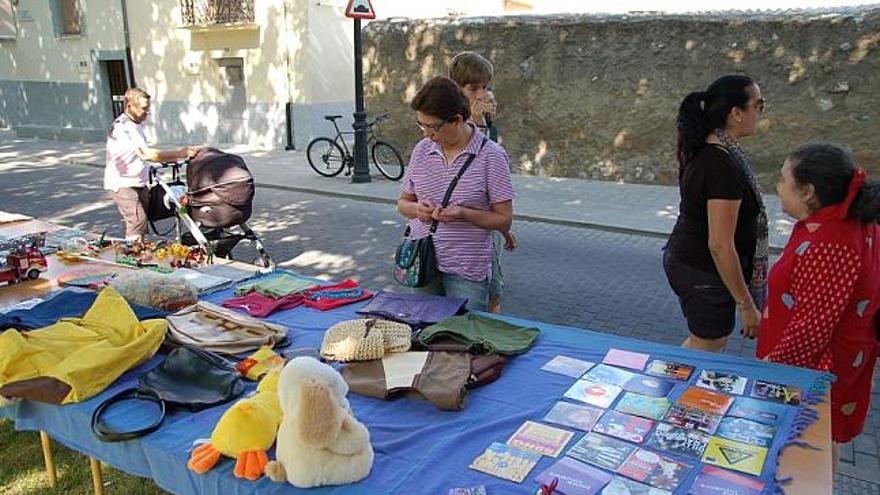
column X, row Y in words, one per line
column 361, row 168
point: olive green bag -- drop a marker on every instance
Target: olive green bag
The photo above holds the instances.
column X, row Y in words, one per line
column 479, row 335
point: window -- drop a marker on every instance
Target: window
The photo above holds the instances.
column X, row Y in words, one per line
column 7, row 20
column 208, row 12
column 67, row 15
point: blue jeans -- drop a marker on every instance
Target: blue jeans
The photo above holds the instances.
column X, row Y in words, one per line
column 496, row 280
column 449, row 284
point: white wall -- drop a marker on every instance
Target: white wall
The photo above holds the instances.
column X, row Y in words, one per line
column 38, row 54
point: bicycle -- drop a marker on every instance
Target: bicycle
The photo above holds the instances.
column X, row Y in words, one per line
column 328, row 157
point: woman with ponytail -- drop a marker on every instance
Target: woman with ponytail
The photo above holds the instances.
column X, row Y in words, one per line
column 716, row 257
column 825, row 288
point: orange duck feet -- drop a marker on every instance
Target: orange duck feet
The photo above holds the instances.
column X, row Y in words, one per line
column 203, row 458
column 251, row 464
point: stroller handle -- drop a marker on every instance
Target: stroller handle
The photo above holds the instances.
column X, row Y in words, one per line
column 175, row 164
column 175, row 167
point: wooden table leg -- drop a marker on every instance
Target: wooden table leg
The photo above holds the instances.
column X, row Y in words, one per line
column 48, row 459
column 97, row 478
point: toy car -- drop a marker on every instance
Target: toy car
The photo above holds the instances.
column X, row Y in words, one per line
column 23, row 264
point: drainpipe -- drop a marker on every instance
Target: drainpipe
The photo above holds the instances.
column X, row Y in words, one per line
column 128, row 60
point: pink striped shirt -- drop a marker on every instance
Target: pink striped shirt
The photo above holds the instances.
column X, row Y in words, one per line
column 462, row 248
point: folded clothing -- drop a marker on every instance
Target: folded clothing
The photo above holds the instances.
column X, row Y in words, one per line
column 214, row 328
column 261, row 306
column 418, row 310
column 63, row 304
column 325, row 297
column 479, row 335
column 77, row 358
column 276, row 285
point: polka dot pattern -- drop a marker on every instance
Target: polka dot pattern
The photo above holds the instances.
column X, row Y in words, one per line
column 823, row 280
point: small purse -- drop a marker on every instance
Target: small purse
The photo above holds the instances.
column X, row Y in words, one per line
column 415, row 263
column 190, row 379
column 365, row 340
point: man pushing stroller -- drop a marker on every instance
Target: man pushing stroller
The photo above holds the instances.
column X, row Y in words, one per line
column 126, row 174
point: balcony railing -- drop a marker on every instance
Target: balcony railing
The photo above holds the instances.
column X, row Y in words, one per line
column 212, row 12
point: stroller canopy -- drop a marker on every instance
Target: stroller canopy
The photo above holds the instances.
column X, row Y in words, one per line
column 220, row 189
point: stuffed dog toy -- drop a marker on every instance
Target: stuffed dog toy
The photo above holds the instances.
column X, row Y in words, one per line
column 319, row 441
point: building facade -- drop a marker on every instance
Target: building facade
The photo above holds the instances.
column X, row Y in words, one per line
column 220, row 72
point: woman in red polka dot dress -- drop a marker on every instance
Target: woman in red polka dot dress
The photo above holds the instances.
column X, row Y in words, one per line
column 824, row 291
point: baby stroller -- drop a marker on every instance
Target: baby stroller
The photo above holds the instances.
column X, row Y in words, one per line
column 211, row 207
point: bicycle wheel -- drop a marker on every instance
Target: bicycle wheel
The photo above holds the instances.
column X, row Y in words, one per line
column 325, row 157
column 387, row 160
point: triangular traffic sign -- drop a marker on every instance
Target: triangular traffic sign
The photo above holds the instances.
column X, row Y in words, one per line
column 360, row 9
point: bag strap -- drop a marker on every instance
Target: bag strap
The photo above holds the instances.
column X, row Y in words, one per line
column 454, row 183
column 107, row 434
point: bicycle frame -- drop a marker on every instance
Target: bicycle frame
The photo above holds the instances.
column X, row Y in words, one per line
column 339, row 139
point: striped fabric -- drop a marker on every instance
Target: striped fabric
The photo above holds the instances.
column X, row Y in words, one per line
column 123, row 167
column 462, row 248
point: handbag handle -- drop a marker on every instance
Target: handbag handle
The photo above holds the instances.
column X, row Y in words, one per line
column 107, row 434
column 448, row 195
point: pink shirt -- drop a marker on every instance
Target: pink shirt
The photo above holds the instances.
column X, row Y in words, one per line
column 462, row 248
column 123, row 167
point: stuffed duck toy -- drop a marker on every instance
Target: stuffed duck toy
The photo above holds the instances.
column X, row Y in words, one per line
column 245, row 432
column 319, row 441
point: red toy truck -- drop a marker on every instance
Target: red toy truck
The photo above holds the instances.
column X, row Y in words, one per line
column 23, row 264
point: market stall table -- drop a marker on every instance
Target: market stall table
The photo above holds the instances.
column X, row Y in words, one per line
column 419, row 449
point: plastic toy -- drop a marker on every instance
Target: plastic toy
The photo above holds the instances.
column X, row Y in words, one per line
column 23, row 264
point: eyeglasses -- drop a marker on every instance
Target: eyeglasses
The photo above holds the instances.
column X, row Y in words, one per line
column 760, row 104
column 434, row 128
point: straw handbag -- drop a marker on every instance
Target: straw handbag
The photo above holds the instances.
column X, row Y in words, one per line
column 365, row 340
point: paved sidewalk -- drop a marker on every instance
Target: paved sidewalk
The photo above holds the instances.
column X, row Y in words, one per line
column 627, row 208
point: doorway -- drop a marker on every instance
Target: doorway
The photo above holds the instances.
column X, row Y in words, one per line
column 233, row 106
column 118, row 82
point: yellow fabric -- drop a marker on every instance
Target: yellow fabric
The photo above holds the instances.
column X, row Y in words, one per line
column 86, row 353
column 251, row 423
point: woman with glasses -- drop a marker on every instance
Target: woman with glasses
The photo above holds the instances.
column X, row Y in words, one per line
column 716, row 256
column 481, row 202
column 825, row 288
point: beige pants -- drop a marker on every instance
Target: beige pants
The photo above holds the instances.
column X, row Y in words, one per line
column 132, row 205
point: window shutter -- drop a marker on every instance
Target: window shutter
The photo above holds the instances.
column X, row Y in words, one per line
column 70, row 16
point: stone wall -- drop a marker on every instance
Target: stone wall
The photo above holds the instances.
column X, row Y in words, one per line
column 596, row 96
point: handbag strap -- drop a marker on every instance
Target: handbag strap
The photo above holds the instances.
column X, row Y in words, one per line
column 454, row 183
column 107, row 434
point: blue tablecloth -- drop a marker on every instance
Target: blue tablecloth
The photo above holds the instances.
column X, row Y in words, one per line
column 419, row 449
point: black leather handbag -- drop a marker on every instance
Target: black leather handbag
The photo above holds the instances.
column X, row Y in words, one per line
column 189, row 379
column 415, row 264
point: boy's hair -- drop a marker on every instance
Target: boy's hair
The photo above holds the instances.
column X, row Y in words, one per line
column 470, row 68
column 442, row 98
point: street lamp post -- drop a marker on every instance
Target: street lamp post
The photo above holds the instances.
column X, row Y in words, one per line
column 361, row 167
